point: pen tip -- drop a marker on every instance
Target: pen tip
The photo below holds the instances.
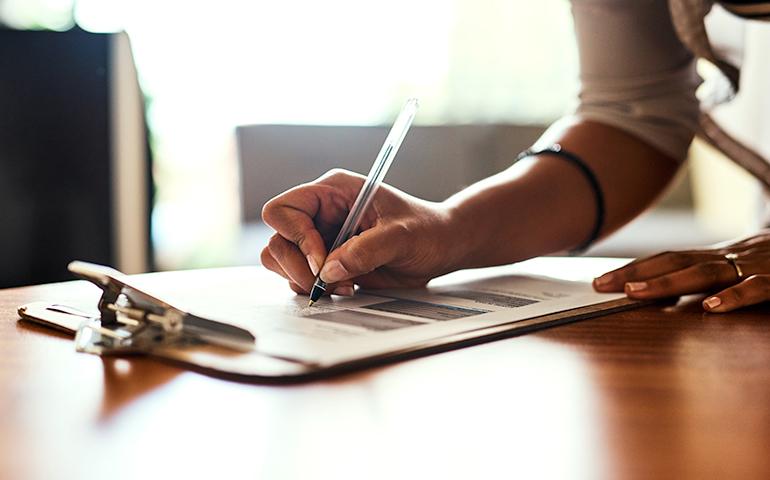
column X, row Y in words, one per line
column 310, row 303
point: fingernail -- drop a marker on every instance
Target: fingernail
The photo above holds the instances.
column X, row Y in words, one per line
column 603, row 280
column 312, row 264
column 636, row 286
column 713, row 302
column 345, row 291
column 333, row 272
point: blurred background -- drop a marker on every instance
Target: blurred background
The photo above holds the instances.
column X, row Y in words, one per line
column 240, row 98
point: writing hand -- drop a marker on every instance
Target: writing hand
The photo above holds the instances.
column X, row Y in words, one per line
column 402, row 242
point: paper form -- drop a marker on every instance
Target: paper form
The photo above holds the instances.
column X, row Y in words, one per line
column 339, row 329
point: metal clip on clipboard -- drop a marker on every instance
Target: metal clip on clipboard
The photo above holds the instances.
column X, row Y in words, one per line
column 133, row 321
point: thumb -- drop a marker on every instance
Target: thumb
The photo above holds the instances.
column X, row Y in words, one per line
column 365, row 252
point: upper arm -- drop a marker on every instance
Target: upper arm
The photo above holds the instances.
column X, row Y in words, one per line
column 635, row 73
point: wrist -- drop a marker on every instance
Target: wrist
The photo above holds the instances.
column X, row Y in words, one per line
column 466, row 233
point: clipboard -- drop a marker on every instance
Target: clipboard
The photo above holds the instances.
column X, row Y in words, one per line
column 129, row 320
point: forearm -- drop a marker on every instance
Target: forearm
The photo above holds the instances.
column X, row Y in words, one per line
column 544, row 204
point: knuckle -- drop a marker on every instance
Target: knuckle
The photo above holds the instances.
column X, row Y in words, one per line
column 276, row 246
column 710, row 270
column 266, row 258
column 662, row 283
column 299, row 238
column 630, row 271
column 677, row 259
column 401, row 231
column 336, row 174
column 270, row 212
column 759, row 282
column 271, row 263
column 340, row 177
column 356, row 259
column 736, row 294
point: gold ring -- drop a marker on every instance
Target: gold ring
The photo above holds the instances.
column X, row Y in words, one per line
column 732, row 259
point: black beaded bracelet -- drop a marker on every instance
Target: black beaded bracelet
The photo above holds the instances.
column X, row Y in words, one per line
column 557, row 151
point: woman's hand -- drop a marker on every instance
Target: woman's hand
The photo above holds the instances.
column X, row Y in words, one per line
column 402, row 239
column 739, row 272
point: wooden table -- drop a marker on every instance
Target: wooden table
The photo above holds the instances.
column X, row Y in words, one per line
column 660, row 392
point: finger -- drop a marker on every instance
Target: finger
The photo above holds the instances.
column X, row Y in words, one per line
column 755, row 242
column 291, row 215
column 651, row 267
column 345, row 289
column 297, row 288
column 385, row 278
column 753, row 290
column 292, row 261
column 365, row 252
column 343, row 179
column 694, row 279
column 271, row 264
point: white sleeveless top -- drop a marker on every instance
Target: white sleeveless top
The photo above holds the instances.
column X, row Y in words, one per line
column 637, row 72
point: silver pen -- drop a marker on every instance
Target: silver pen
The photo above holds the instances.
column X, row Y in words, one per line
column 373, row 180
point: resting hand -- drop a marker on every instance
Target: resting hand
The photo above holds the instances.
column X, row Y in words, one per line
column 672, row 274
column 401, row 241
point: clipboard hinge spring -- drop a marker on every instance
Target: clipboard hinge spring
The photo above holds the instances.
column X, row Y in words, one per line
column 170, row 321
